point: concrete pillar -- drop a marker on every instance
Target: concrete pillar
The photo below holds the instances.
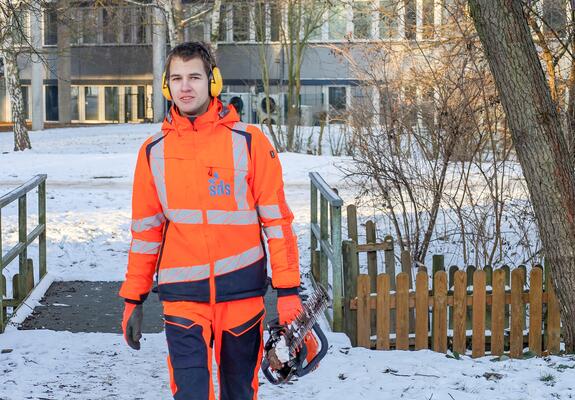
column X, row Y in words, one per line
column 158, row 59
column 37, row 97
column 64, row 66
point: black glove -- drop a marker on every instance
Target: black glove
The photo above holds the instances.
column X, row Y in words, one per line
column 132, row 324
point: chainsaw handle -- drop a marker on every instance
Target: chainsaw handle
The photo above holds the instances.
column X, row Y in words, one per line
column 301, row 371
column 265, row 367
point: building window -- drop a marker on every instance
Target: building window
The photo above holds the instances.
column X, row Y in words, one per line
column 111, row 24
column 362, row 13
column 74, row 110
column 111, row 103
column 141, row 26
column 26, row 99
column 89, row 25
column 91, row 103
column 50, row 27
column 22, row 27
column 428, row 18
column 51, row 103
column 241, row 21
column 337, row 22
column 3, row 116
column 275, row 21
column 141, row 102
column 337, row 98
column 410, row 19
column 388, row 18
column 224, row 18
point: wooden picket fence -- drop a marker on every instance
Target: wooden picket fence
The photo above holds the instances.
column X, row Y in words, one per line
column 483, row 310
column 431, row 310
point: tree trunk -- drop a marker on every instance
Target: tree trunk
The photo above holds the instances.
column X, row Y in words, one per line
column 21, row 139
column 539, row 141
column 215, row 33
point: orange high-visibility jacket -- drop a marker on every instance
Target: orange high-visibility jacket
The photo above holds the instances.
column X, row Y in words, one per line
column 202, row 192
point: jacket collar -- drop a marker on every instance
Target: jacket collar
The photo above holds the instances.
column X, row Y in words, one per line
column 205, row 123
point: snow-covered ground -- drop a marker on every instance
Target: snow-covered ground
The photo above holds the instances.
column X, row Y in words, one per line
column 89, row 182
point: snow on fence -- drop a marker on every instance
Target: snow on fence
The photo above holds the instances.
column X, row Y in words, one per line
column 483, row 310
column 23, row 281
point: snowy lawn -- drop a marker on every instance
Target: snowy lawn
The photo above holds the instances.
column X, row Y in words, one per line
column 89, row 184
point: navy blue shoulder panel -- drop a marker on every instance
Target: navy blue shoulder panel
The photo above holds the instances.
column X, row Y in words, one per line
column 245, row 134
column 152, row 144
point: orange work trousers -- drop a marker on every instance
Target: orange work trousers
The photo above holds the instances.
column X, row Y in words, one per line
column 233, row 330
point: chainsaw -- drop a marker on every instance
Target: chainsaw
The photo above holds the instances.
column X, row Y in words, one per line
column 285, row 351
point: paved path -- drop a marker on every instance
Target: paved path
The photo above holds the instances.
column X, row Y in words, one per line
column 81, row 306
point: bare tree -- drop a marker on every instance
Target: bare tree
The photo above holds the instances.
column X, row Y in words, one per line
column 538, row 137
column 303, row 18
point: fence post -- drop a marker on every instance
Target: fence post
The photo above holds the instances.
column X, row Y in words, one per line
column 406, row 266
column 352, row 226
column 389, row 260
column 337, row 271
column 402, row 312
column 421, row 310
column 517, row 317
column 478, row 338
column 324, row 235
column 363, row 308
column 507, row 307
column 440, row 312
column 535, row 309
column 371, row 238
column 22, row 238
column 498, row 313
column 382, row 312
column 351, row 272
column 42, row 268
column 459, row 311
column 313, row 239
column 553, row 336
column 451, row 290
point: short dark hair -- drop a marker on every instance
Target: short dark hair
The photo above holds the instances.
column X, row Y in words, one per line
column 189, row 50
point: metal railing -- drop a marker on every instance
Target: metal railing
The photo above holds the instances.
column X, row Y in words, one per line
column 23, row 282
column 327, row 234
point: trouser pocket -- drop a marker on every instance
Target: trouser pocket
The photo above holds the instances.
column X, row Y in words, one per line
column 188, row 358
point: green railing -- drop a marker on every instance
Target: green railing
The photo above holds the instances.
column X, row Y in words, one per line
column 327, row 234
column 23, row 282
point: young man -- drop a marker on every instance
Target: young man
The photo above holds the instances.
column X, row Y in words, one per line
column 204, row 188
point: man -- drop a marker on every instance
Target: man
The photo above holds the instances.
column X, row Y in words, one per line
column 204, row 187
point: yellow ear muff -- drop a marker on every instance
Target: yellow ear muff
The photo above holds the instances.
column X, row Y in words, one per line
column 216, row 83
column 166, row 88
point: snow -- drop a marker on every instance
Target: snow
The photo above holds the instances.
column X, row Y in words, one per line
column 89, row 192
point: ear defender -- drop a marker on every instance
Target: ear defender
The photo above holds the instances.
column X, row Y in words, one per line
column 166, row 88
column 216, row 82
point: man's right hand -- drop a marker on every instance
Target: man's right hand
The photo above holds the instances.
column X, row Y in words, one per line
column 132, row 324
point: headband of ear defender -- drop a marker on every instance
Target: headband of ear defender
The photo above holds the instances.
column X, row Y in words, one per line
column 215, row 81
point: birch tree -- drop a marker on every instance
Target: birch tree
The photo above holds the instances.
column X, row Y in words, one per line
column 13, row 39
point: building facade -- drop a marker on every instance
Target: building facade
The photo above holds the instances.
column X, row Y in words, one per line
column 112, row 50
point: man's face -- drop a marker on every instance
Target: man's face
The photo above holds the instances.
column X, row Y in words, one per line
column 189, row 86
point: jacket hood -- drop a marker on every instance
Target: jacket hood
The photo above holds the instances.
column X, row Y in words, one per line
column 216, row 114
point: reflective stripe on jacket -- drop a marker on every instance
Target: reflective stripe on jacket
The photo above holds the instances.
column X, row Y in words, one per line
column 203, row 191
